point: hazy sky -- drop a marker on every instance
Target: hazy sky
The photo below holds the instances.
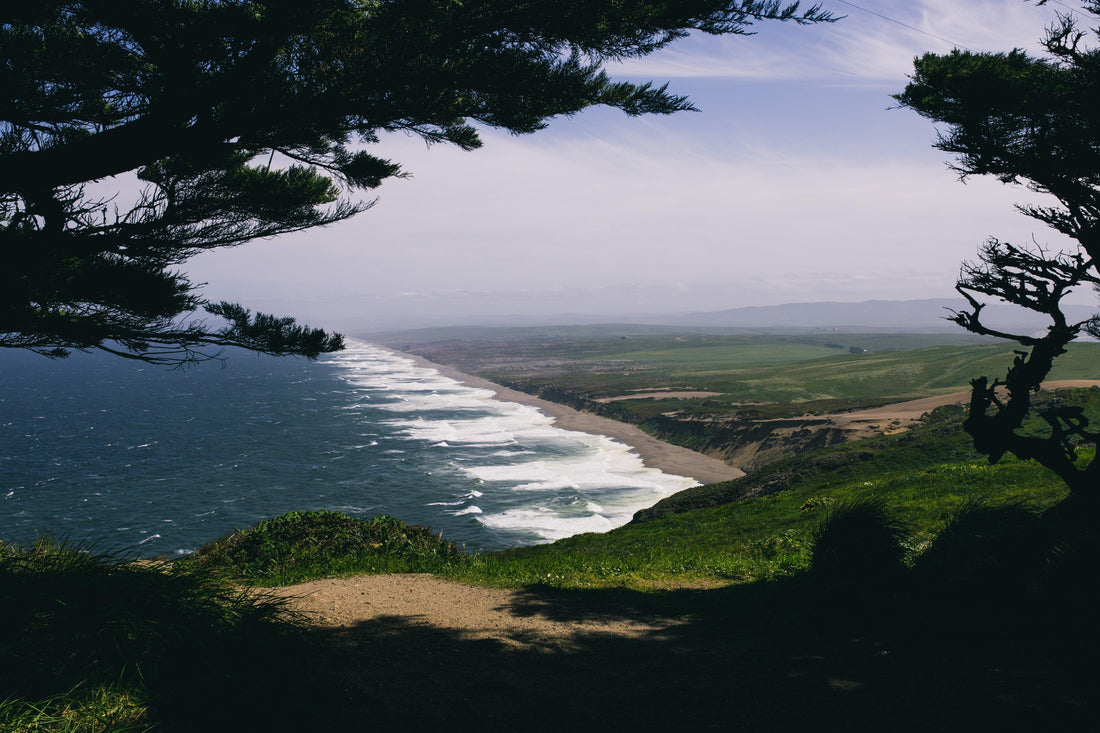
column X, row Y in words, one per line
column 795, row 182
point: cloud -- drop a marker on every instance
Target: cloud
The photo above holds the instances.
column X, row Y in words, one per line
column 553, row 226
column 777, row 192
column 862, row 47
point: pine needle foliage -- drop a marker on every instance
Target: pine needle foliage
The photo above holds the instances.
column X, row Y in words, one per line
column 1028, row 121
column 135, row 134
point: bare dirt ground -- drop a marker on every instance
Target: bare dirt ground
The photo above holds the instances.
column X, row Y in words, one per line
column 901, row 415
column 412, row 652
column 658, row 395
column 469, row 611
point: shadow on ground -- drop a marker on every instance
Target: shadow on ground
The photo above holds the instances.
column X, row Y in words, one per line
column 987, row 632
column 795, row 658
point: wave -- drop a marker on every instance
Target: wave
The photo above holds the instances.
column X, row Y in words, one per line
column 529, row 482
column 366, row 430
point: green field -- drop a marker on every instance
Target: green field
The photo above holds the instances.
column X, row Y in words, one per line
column 769, row 370
column 753, row 380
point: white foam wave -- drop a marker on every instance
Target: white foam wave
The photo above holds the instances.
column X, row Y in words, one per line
column 483, row 431
column 541, row 481
column 547, row 525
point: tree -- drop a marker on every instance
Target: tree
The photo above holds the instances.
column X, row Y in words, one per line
column 1035, row 122
column 245, row 119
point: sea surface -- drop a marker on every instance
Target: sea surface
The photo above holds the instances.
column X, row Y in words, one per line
column 155, row 462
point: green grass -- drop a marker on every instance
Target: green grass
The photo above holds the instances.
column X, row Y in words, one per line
column 685, row 359
column 758, row 538
column 303, row 545
column 761, row 526
column 116, row 708
column 664, row 346
column 775, row 369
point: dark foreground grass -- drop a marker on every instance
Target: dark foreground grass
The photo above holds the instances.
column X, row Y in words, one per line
column 989, row 627
column 96, row 642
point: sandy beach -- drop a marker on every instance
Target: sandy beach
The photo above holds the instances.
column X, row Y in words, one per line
column 671, row 459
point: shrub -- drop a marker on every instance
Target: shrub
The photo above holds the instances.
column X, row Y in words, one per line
column 859, row 540
column 303, row 545
column 983, row 546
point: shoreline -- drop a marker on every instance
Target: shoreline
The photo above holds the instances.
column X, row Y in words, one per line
column 665, row 457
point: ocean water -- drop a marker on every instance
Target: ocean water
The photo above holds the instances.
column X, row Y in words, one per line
column 122, row 455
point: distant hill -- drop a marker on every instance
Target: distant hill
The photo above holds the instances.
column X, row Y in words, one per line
column 871, row 316
column 912, row 316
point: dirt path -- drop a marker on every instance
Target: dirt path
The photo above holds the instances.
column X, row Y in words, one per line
column 658, row 395
column 472, row 612
column 412, row 652
column 908, row 412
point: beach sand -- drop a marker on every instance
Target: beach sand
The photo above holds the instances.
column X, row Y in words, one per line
column 671, row 459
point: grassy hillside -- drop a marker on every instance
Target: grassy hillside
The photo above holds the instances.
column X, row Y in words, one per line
column 761, row 526
column 775, row 371
column 748, row 379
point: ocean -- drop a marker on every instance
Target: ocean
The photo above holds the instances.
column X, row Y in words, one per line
column 125, row 456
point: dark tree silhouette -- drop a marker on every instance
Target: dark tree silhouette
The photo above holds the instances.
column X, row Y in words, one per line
column 1036, row 122
column 244, row 119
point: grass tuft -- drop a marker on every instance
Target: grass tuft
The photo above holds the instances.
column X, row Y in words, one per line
column 859, row 540
column 114, row 708
column 303, row 545
column 983, row 544
column 70, row 614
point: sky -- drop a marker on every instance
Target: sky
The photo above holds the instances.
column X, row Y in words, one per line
column 797, row 181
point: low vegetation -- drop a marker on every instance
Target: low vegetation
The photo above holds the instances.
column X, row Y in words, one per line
column 747, row 371
column 303, row 545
